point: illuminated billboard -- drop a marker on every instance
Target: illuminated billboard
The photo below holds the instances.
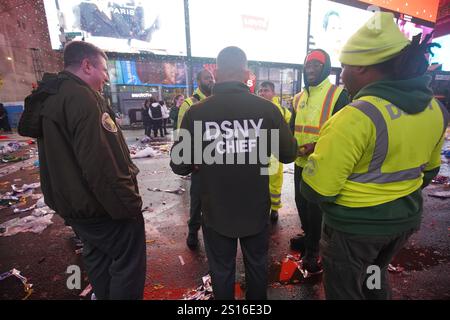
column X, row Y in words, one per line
column 425, row 10
column 264, row 29
column 332, row 24
column 120, row 25
column 442, row 54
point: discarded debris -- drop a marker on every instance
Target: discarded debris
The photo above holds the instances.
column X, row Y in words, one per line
column 7, row 201
column 440, row 180
column 26, row 224
column 440, row 194
column 145, row 153
column 158, row 286
column 25, row 187
column 25, row 210
column 203, row 292
column 181, row 260
column 176, row 191
column 86, row 291
column 9, row 158
column 396, row 269
column 289, row 265
column 16, row 273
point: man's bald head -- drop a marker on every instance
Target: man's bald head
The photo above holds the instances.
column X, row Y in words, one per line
column 231, row 65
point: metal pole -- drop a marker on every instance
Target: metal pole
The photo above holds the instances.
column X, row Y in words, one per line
column 308, row 35
column 190, row 83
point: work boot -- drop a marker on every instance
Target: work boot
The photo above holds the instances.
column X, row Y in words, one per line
column 298, row 243
column 192, row 241
column 274, row 216
column 312, row 265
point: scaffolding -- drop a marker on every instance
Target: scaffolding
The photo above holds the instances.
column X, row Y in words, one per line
column 37, row 63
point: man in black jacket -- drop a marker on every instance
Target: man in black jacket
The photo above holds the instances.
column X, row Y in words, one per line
column 87, row 175
column 230, row 149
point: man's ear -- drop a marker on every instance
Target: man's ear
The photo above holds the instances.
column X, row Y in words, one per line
column 361, row 69
column 86, row 66
column 246, row 75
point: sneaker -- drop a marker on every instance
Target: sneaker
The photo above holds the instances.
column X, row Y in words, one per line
column 274, row 216
column 298, row 243
column 192, row 241
column 313, row 266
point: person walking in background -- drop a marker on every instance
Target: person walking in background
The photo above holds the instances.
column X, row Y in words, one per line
column 156, row 114
column 165, row 116
column 146, row 120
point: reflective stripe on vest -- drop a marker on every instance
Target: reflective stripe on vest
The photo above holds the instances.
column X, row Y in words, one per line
column 324, row 116
column 374, row 174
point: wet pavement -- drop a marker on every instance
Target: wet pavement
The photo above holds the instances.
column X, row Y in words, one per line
column 173, row 269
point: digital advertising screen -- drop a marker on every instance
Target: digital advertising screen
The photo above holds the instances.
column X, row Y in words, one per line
column 266, row 30
column 151, row 73
column 119, row 25
column 425, row 10
column 332, row 24
column 442, row 54
column 411, row 29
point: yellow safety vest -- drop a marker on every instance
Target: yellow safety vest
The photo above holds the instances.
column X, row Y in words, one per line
column 284, row 111
column 371, row 152
column 313, row 109
column 187, row 103
column 276, row 167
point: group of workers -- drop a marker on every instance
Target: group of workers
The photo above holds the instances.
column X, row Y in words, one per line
column 362, row 156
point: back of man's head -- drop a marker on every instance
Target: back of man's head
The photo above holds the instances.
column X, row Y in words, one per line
column 231, row 65
column 76, row 51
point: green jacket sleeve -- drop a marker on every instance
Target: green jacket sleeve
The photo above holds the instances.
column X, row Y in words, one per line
column 103, row 158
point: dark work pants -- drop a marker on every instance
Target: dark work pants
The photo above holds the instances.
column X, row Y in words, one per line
column 310, row 217
column 114, row 253
column 221, row 252
column 346, row 258
column 195, row 213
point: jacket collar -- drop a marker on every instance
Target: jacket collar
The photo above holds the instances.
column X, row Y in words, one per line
column 313, row 89
column 230, row 87
column 69, row 75
column 200, row 93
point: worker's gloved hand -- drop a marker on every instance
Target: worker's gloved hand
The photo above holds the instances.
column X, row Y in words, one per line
column 306, row 149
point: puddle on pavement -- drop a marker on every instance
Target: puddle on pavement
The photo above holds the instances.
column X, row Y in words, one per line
column 417, row 259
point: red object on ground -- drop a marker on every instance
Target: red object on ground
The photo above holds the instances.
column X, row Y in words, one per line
column 288, row 268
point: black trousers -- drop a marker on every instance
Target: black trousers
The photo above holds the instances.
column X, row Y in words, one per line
column 164, row 125
column 114, row 254
column 310, row 217
column 221, row 252
column 195, row 213
column 157, row 126
column 346, row 259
